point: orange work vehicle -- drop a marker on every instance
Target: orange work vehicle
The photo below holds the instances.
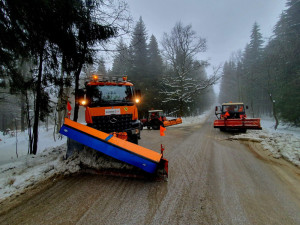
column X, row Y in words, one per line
column 110, row 104
column 232, row 116
column 112, row 125
column 156, row 118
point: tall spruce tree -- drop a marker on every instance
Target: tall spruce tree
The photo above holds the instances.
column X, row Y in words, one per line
column 138, row 70
column 287, row 33
column 252, row 70
column 122, row 60
column 155, row 62
column 229, row 87
column 152, row 80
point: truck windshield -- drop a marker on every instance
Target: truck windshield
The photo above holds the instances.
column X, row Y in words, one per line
column 233, row 108
column 110, row 95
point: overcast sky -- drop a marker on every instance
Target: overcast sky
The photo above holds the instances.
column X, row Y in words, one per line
column 226, row 24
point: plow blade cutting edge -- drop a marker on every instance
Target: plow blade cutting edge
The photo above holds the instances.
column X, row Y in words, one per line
column 238, row 123
column 143, row 158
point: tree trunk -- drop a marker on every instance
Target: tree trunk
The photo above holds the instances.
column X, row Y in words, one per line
column 37, row 104
column 76, row 108
column 28, row 123
column 23, row 111
column 60, row 102
column 274, row 111
column 77, row 75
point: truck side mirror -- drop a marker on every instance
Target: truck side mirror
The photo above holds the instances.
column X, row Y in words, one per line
column 80, row 97
column 246, row 107
column 137, row 96
column 80, row 93
column 218, row 109
column 138, row 93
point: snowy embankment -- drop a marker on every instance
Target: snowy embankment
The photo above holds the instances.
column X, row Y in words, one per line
column 186, row 121
column 19, row 171
column 283, row 142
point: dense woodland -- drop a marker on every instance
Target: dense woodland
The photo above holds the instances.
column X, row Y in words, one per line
column 172, row 79
column 266, row 74
column 47, row 53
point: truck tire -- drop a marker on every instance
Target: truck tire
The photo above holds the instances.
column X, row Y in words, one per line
column 134, row 139
column 243, row 130
column 156, row 124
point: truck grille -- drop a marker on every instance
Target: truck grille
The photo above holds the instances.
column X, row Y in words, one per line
column 112, row 123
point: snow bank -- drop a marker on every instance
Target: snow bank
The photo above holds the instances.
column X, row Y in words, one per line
column 28, row 170
column 283, row 142
column 186, row 121
column 9, row 145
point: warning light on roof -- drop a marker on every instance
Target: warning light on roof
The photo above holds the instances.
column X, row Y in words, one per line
column 124, row 78
column 95, row 77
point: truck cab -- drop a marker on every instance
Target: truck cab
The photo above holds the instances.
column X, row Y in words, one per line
column 111, row 106
column 231, row 111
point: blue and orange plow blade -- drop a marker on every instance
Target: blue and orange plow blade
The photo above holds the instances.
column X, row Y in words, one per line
column 125, row 151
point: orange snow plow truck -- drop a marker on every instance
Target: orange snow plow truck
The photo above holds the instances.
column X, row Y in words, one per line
column 112, row 127
column 232, row 117
column 156, row 118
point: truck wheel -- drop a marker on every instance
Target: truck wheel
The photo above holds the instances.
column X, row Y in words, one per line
column 243, row 130
column 134, row 139
column 155, row 126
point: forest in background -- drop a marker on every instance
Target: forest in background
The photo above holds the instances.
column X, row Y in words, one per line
column 266, row 74
column 47, row 53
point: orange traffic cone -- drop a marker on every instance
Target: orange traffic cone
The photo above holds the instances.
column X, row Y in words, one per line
column 162, row 130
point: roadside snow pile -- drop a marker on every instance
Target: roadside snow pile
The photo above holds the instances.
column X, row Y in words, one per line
column 28, row 170
column 19, row 141
column 286, row 145
column 89, row 158
column 194, row 119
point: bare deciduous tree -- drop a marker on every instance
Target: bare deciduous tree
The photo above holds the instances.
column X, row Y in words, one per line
column 185, row 77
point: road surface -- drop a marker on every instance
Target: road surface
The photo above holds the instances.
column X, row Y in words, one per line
column 212, row 180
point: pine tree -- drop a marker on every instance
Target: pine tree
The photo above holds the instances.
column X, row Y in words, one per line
column 287, row 33
column 138, row 71
column 252, row 70
column 41, row 31
column 229, row 83
column 101, row 69
column 155, row 62
column 152, row 82
column 122, row 60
